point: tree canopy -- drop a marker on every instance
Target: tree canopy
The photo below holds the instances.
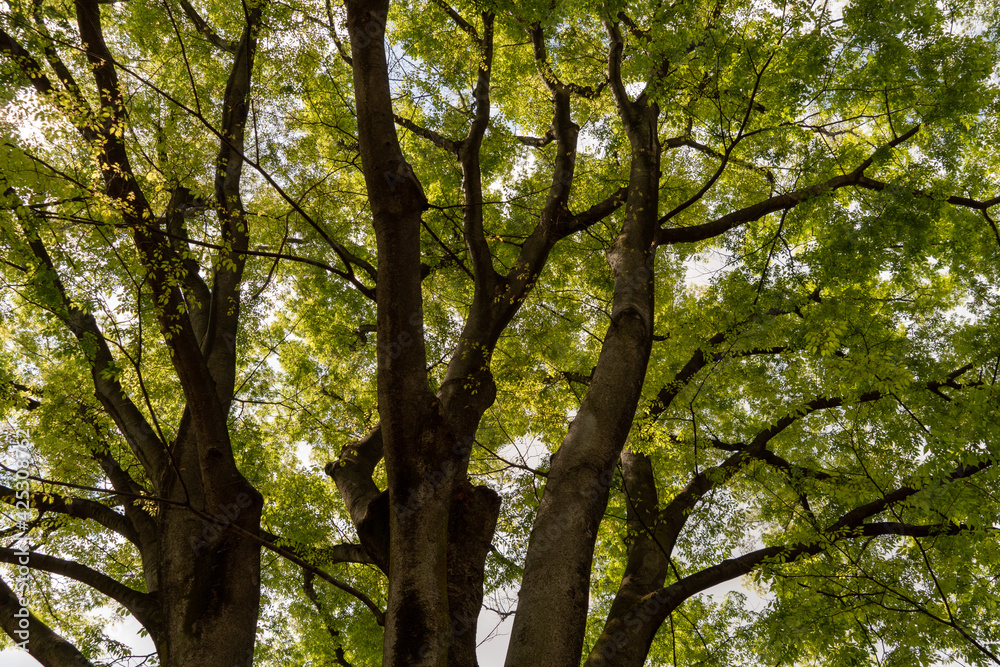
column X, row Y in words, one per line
column 328, row 326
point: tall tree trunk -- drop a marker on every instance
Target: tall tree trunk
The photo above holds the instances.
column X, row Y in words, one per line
column 554, row 599
column 419, row 448
column 645, row 568
column 472, row 521
column 209, row 572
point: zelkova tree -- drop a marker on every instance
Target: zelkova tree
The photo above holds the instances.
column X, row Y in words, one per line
column 585, row 308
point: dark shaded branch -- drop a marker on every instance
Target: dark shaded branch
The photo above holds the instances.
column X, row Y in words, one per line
column 862, row 512
column 594, row 214
column 675, row 515
column 32, row 69
column 141, row 605
column 326, row 555
column 30, row 403
column 688, row 142
column 205, row 415
column 537, row 142
column 353, row 475
column 616, row 47
column 81, row 508
column 301, row 562
column 770, row 205
column 967, row 202
column 26, row 62
column 219, row 342
column 430, row 135
column 310, row 591
column 548, row 74
column 472, row 177
column 196, row 293
column 43, row 643
column 466, row 27
column 56, row 63
column 349, row 259
column 133, row 425
column 640, row 623
column 205, row 30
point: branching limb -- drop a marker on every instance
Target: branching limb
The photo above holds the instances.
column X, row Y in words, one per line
column 616, row 47
column 56, row 63
column 310, row 591
column 81, row 508
column 438, row 140
column 457, row 18
column 537, row 142
column 353, row 474
column 688, row 142
column 32, row 69
column 472, row 177
column 327, row 555
column 197, row 295
column 219, row 342
column 282, row 551
column 205, row 30
column 141, row 437
column 141, row 605
column 43, row 643
column 548, row 74
column 649, row 612
column 772, row 204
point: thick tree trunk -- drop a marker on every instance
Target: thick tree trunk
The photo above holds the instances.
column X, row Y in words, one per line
column 209, row 573
column 471, row 524
column 420, row 449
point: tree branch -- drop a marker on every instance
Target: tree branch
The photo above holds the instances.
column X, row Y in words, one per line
column 772, row 204
column 472, row 177
column 219, row 343
column 81, row 508
column 205, row 30
column 43, row 643
column 139, row 604
column 430, row 135
column 32, row 69
column 141, row 437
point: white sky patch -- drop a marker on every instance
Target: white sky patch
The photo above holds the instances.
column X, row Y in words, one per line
column 14, row 657
column 493, row 638
column 303, row 452
column 24, row 114
column 701, row 268
column 526, row 452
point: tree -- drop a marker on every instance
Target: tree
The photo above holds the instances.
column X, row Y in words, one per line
column 209, row 209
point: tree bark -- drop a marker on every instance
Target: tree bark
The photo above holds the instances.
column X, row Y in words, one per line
column 554, row 598
column 209, row 573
